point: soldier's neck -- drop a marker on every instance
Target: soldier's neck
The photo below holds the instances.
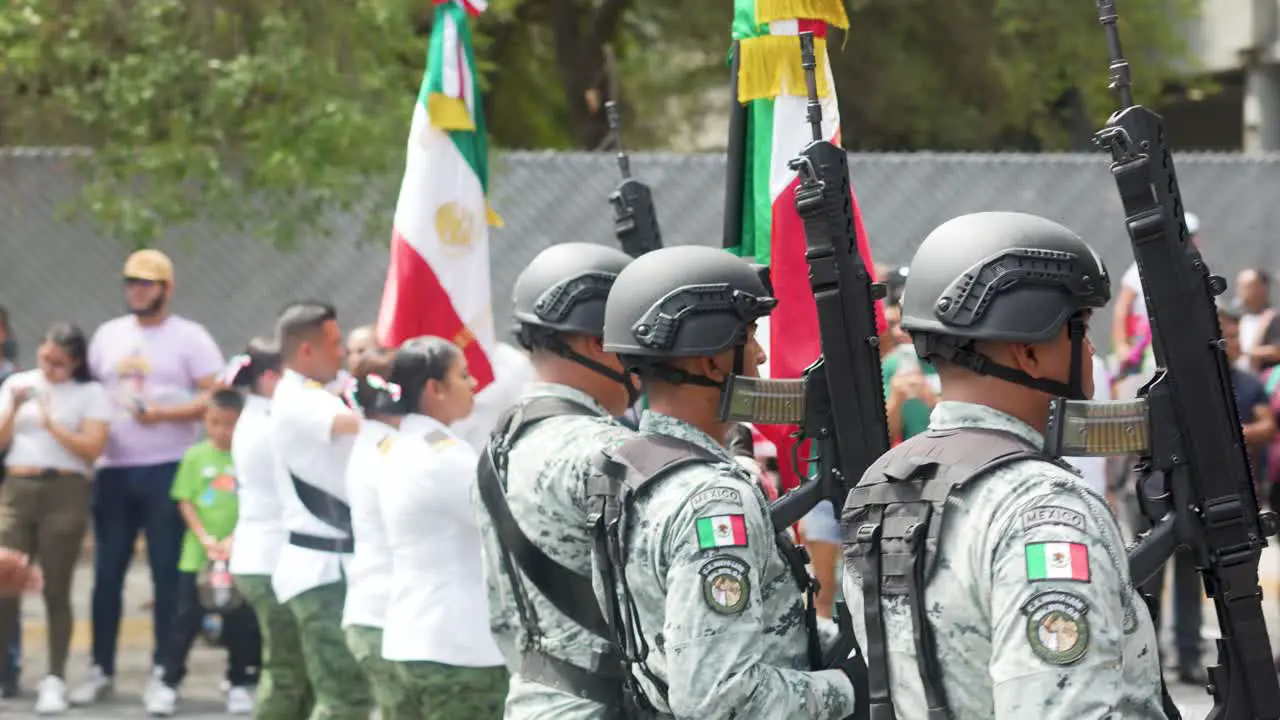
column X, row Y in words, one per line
column 577, row 377
column 1028, row 406
column 697, row 407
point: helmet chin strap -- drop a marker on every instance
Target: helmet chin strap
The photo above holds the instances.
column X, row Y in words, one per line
column 676, row 376
column 1073, row 389
column 558, row 346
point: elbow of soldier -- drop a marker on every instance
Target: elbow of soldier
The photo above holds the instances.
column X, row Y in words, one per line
column 720, row 699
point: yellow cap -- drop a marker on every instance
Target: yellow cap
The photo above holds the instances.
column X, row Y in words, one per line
column 149, row 265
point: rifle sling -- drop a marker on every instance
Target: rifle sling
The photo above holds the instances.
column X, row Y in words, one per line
column 570, row 593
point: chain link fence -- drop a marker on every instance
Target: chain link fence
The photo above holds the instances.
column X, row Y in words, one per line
column 55, row 270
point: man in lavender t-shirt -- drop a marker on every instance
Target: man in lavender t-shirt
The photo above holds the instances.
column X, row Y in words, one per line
column 157, row 367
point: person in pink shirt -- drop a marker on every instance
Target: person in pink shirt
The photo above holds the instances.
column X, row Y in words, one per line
column 158, row 368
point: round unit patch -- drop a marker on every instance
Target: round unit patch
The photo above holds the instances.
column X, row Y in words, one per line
column 1057, row 626
column 726, row 588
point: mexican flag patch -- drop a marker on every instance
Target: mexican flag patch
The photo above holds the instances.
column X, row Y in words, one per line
column 721, row 531
column 1058, row 561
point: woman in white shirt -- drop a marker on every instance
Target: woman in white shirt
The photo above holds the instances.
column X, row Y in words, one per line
column 283, row 689
column 369, row 574
column 437, row 625
column 53, row 421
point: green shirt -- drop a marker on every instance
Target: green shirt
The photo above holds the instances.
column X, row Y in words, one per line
column 207, row 479
column 915, row 413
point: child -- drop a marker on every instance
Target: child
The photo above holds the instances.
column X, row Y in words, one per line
column 205, row 490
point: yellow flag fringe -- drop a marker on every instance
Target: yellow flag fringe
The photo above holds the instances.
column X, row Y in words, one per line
column 771, row 63
column 829, row 11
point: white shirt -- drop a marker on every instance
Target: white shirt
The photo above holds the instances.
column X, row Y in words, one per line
column 512, row 375
column 1250, row 332
column 439, row 608
column 259, row 531
column 70, row 404
column 369, row 573
column 302, row 415
column 1094, row 469
column 1132, row 281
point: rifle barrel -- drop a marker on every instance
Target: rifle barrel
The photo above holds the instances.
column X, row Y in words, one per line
column 615, row 126
column 809, row 62
column 1120, row 79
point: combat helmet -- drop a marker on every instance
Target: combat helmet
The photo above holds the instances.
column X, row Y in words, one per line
column 1002, row 276
column 563, row 292
column 684, row 301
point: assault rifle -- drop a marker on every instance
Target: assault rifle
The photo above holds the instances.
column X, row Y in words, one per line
column 635, row 221
column 839, row 403
column 1184, row 425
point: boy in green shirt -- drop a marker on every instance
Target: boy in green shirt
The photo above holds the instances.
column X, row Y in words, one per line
column 205, row 490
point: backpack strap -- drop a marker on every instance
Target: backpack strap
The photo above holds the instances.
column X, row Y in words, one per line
column 622, row 474
column 894, row 517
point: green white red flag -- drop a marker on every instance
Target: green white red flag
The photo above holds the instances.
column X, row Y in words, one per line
column 771, row 84
column 438, row 280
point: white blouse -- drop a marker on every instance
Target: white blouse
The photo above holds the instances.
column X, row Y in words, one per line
column 369, row 574
column 259, row 531
column 439, row 608
column 70, row 404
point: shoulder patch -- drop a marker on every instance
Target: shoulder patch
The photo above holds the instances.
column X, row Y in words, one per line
column 726, row 585
column 1057, row 626
column 439, row 439
column 384, row 445
column 716, row 494
column 1051, row 515
column 721, row 531
column 1058, row 561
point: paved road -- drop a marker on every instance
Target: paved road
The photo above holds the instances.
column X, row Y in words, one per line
column 203, row 700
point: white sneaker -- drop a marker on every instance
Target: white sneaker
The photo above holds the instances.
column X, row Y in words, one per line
column 95, row 687
column 240, row 701
column 162, row 701
column 53, row 697
column 154, row 684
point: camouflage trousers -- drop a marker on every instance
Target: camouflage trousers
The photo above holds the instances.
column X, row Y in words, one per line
column 450, row 692
column 284, row 693
column 341, row 690
column 391, row 695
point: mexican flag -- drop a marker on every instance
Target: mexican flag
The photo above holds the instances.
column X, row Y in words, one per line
column 438, row 281
column 773, row 129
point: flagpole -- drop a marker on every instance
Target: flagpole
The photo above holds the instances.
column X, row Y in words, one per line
column 735, row 170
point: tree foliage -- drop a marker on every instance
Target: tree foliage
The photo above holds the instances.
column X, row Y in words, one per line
column 272, row 116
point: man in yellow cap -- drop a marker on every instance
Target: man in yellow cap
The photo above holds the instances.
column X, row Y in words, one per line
column 157, row 367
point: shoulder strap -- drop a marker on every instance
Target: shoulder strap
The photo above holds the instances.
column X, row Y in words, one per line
column 647, row 457
column 325, row 506
column 572, row 594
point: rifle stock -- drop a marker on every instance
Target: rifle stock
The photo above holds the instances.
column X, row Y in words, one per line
column 1196, row 439
column 635, row 219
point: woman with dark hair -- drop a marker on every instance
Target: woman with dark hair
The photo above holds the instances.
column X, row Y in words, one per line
column 53, row 422
column 283, row 690
column 437, row 624
column 369, row 574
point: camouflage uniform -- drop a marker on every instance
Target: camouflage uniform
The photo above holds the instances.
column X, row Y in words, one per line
column 1010, row 643
column 393, row 698
column 345, row 695
column 450, row 692
column 284, row 693
column 546, row 476
column 720, row 611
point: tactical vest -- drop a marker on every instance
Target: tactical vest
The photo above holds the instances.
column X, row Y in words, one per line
column 892, row 521
column 624, row 474
column 570, row 593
